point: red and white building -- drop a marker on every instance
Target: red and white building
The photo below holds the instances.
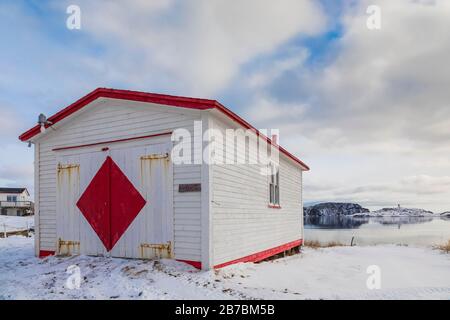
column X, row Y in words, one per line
column 106, row 184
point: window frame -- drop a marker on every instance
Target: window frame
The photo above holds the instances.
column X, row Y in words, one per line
column 11, row 198
column 274, row 186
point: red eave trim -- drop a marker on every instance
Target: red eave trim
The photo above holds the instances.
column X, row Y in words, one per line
column 175, row 101
column 263, row 254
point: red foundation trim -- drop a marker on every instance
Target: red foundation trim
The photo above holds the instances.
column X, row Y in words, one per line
column 113, row 141
column 45, row 253
column 195, row 264
column 251, row 258
column 263, row 254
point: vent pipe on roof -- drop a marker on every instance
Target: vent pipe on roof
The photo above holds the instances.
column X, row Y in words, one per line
column 42, row 121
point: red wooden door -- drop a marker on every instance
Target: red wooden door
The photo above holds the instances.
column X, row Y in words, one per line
column 110, row 203
column 116, row 203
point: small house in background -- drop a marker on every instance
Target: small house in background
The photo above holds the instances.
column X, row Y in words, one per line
column 106, row 183
column 15, row 202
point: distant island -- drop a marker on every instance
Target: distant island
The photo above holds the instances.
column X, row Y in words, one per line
column 329, row 209
column 334, row 209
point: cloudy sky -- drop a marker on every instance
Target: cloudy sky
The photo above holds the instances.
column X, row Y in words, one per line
column 368, row 110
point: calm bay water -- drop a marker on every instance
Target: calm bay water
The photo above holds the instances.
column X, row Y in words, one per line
column 387, row 230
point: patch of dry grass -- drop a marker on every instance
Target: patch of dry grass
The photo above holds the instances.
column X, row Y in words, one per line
column 316, row 244
column 444, row 247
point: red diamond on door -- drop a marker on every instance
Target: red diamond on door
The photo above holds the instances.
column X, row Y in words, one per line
column 110, row 203
column 94, row 204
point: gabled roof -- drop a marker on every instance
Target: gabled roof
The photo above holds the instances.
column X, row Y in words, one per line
column 168, row 100
column 13, row 190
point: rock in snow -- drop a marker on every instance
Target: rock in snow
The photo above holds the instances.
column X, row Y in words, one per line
column 334, row 209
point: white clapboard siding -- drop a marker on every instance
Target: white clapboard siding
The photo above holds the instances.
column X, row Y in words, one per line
column 243, row 224
column 108, row 119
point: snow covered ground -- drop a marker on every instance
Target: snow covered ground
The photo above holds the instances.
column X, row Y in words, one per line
column 13, row 223
column 332, row 273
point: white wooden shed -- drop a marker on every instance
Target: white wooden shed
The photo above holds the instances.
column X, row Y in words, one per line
column 106, row 183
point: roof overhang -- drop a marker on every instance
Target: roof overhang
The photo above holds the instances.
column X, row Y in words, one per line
column 168, row 100
column 13, row 190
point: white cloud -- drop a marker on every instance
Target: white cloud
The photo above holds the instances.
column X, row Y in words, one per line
column 391, row 83
column 385, row 89
column 375, row 113
column 14, row 174
column 378, row 111
column 269, row 73
column 268, row 113
column 199, row 46
column 9, row 122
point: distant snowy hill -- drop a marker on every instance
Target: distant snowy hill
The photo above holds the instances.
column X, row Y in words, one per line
column 334, row 209
column 400, row 212
column 355, row 210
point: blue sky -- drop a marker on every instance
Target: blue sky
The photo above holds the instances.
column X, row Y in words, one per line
column 367, row 110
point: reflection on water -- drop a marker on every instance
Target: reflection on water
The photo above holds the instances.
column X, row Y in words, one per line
column 378, row 230
column 345, row 222
column 334, row 222
column 402, row 220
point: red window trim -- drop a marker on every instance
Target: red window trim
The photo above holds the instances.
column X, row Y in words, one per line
column 274, row 206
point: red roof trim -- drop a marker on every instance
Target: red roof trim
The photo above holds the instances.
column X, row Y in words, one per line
column 175, row 101
column 193, row 103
